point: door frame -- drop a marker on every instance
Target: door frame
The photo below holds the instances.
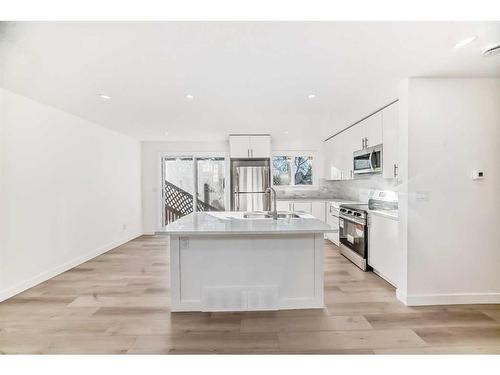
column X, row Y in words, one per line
column 194, row 155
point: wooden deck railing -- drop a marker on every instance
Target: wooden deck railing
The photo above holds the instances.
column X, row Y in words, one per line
column 179, row 203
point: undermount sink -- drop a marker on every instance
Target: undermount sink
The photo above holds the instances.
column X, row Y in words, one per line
column 290, row 215
column 256, row 215
column 268, row 215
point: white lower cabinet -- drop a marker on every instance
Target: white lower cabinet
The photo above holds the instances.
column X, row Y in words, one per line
column 319, row 210
column 305, row 207
column 332, row 220
column 383, row 248
column 284, row 206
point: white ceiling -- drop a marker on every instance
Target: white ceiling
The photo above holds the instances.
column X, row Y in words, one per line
column 244, row 76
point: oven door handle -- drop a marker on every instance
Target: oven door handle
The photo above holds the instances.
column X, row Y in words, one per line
column 352, row 220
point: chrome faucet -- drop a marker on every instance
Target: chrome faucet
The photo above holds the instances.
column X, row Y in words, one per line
column 274, row 213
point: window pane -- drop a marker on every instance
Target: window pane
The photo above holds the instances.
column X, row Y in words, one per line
column 282, row 171
column 303, row 170
column 211, row 184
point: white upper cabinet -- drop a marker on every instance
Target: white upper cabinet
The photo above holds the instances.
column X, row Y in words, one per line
column 373, row 130
column 334, row 154
column 250, row 146
column 379, row 128
column 390, row 120
column 260, row 146
column 239, row 146
column 353, row 139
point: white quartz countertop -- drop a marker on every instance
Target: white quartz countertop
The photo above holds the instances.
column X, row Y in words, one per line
column 232, row 223
column 305, row 199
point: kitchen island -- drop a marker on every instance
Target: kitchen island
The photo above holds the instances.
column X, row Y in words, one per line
column 229, row 261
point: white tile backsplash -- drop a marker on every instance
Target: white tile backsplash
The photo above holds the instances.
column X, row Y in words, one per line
column 356, row 190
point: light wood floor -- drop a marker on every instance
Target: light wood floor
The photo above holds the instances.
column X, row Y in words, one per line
column 119, row 303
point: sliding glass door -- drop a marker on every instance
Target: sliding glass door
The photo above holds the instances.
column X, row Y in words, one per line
column 192, row 183
column 211, row 183
column 178, row 187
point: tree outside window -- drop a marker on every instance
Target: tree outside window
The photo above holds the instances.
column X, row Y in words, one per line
column 292, row 170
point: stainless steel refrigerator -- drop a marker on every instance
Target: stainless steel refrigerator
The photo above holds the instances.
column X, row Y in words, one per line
column 249, row 181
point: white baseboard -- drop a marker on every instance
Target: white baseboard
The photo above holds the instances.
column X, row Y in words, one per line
column 44, row 276
column 447, row 299
column 401, row 296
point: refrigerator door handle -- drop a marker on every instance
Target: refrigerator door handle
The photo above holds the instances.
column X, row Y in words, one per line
column 237, row 196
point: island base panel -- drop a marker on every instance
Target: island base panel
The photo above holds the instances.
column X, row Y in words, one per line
column 246, row 273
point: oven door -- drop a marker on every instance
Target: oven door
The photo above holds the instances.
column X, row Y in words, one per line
column 353, row 235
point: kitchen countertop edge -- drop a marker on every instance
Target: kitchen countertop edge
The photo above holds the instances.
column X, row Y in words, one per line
column 389, row 215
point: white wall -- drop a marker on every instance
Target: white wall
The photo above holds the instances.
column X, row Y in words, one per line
column 453, row 236
column 151, row 167
column 70, row 190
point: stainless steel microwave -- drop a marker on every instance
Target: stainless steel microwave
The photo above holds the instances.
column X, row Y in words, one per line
column 368, row 160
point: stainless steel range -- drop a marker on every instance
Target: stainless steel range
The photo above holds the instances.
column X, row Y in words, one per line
column 353, row 225
column 353, row 231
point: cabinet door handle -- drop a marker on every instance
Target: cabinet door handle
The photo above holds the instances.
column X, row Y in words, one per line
column 248, row 153
column 362, row 143
column 366, row 142
column 395, row 170
column 352, row 174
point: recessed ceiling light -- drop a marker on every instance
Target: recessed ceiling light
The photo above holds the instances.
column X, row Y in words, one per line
column 166, row 134
column 105, row 97
column 311, row 96
column 286, row 131
column 189, row 97
column 492, row 50
column 465, row 41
